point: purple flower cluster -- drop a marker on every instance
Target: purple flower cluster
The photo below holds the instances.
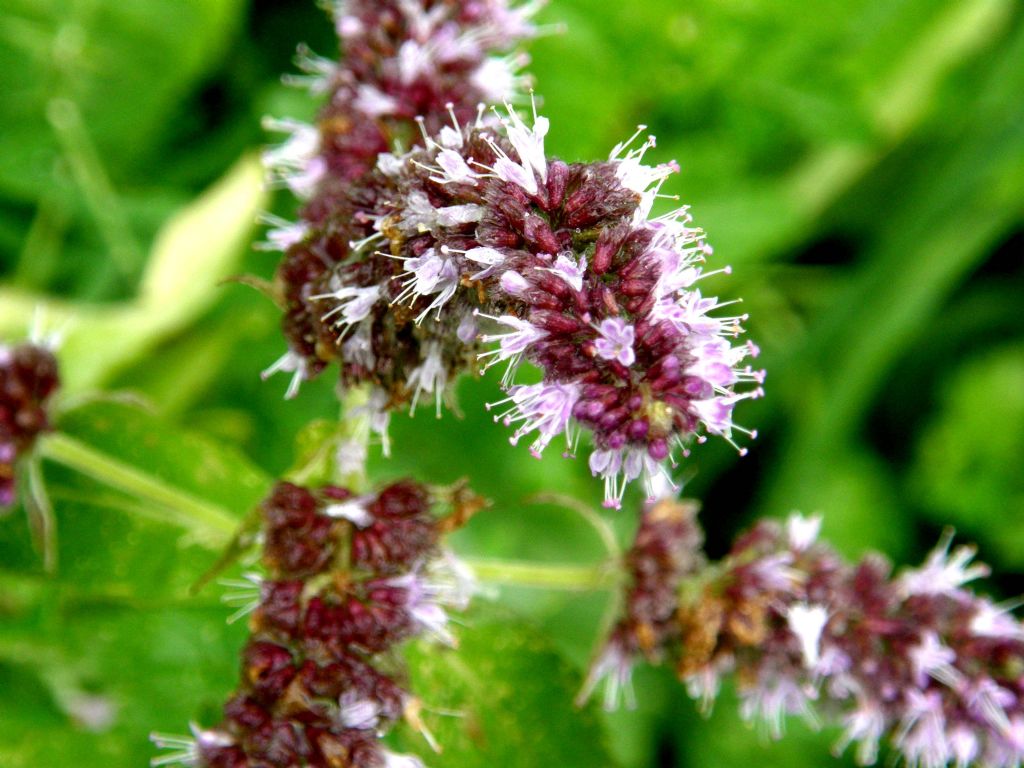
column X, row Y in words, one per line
column 408, row 66
column 915, row 659
column 474, row 249
column 348, row 578
column 28, row 377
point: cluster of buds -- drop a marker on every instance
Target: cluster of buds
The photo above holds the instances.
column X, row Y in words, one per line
column 916, row 658
column 473, row 248
column 665, row 551
column 405, row 63
column 348, row 579
column 28, row 377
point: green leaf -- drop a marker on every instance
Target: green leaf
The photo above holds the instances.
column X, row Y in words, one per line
column 504, row 697
column 86, row 687
column 140, row 503
column 195, row 250
column 968, row 459
column 188, row 461
column 101, row 56
column 921, row 254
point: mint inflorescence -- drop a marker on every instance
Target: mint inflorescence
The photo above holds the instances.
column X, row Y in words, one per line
column 461, row 245
column 348, row 579
column 28, row 379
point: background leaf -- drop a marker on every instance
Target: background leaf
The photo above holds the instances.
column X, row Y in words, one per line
column 504, row 697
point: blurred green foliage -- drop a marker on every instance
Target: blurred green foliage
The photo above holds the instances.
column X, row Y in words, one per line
column 860, row 163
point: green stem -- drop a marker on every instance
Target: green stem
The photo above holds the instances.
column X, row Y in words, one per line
column 87, row 169
column 594, row 520
column 191, row 512
column 351, row 437
column 355, row 436
column 40, row 513
column 581, row 578
column 215, row 525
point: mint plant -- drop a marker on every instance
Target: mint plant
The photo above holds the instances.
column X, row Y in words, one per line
column 436, row 236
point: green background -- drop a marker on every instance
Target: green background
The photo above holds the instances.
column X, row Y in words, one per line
column 859, row 163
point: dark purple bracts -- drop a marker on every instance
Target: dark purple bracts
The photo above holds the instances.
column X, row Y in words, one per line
column 28, row 378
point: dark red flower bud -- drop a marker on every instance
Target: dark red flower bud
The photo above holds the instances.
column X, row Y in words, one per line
column 28, row 378
column 268, row 668
column 280, row 605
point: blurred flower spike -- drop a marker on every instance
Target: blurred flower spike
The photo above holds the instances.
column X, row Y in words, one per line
column 915, row 659
column 28, row 379
column 474, row 249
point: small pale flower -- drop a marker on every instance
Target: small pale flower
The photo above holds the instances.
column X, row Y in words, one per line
column 990, row 701
column 354, row 711
column 426, row 601
column 802, row 531
column 569, row 270
column 296, row 162
column 930, row 658
column 544, row 408
column 467, row 329
column 374, row 102
column 353, row 510
column 414, row 60
column 292, row 363
column 283, row 234
column 498, row 78
column 354, row 303
column 614, row 667
column 389, row 164
column 454, row 215
column 514, row 283
column 772, row 699
column 616, row 341
column 807, row 622
column 454, row 169
column 507, row 170
column 514, row 343
column 358, row 347
column 964, row 745
column 923, row 735
column 429, row 274
column 429, row 377
column 396, row 760
column 489, row 257
column 865, row 725
column 529, row 142
column 943, row 572
column 991, row 620
column 774, row 572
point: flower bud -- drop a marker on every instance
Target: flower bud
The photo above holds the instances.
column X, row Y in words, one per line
column 28, row 379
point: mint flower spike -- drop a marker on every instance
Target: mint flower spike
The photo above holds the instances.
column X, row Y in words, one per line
column 665, row 551
column 489, row 253
column 406, row 66
column 28, row 379
column 348, row 578
column 408, row 264
column 916, row 659
column 401, row 60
